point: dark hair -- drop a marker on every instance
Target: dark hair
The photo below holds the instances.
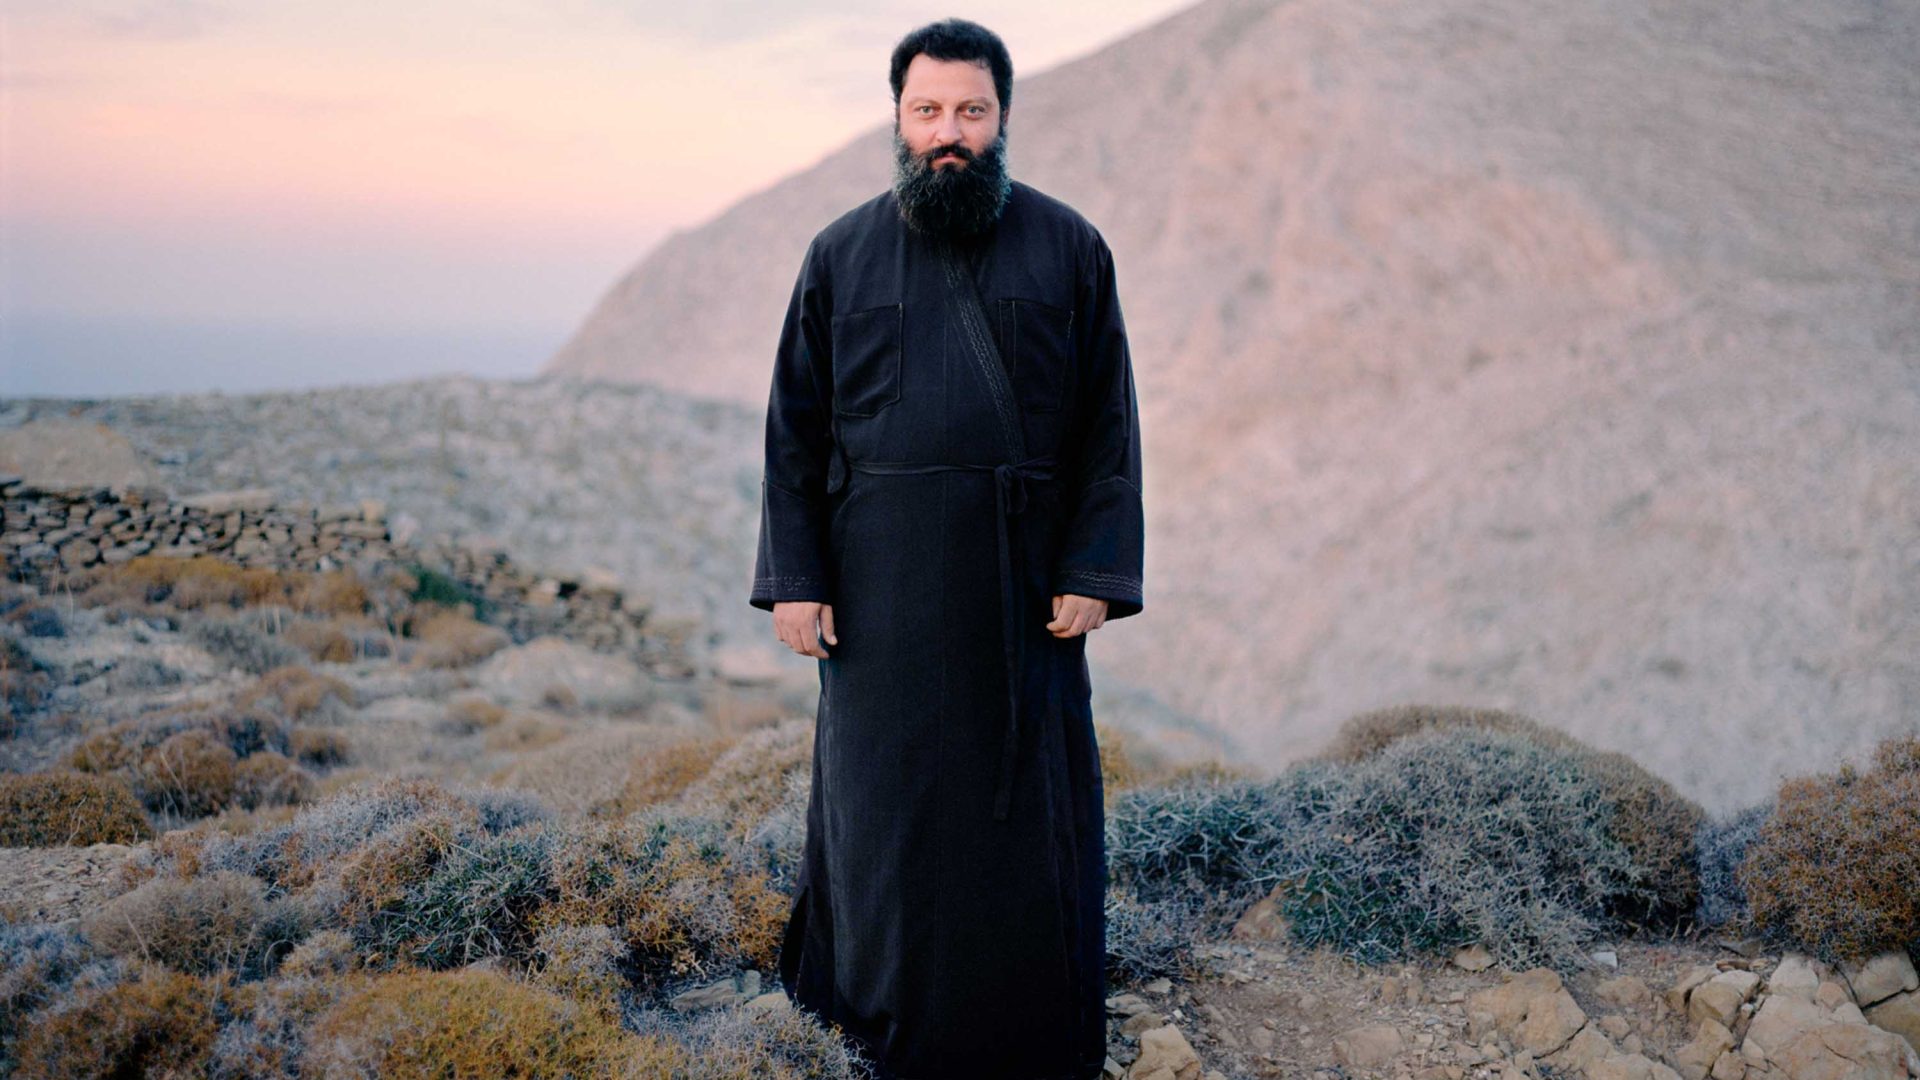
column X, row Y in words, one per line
column 955, row 39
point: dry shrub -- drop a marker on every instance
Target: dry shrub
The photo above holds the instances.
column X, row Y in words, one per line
column 54, row 808
column 1205, row 772
column 323, row 953
column 270, row 779
column 681, row 902
column 475, row 1023
column 329, row 593
column 211, row 581
column 267, row 1039
column 560, row 696
column 466, row 715
column 317, row 746
column 1651, row 819
column 103, row 752
column 294, row 692
column 520, row 733
column 742, row 1043
column 661, row 775
column 582, row 963
column 755, row 775
column 1366, row 734
column 450, row 639
column 162, row 1025
column 323, row 638
column 1117, row 769
column 377, row 875
column 190, row 774
column 1832, row 871
column 198, row 925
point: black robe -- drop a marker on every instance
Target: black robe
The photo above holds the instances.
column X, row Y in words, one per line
column 952, row 439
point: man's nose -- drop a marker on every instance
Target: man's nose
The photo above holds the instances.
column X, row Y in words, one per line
column 949, row 130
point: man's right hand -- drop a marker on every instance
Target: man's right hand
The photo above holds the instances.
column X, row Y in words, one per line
column 802, row 623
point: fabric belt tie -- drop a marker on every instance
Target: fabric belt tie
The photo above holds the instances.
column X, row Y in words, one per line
column 1010, row 497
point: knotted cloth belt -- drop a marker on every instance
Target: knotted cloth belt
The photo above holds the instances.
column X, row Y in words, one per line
column 1010, row 484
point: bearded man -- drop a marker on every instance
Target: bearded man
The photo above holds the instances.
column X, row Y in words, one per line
column 953, row 479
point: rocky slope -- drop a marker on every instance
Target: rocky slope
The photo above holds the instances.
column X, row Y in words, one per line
column 1550, row 356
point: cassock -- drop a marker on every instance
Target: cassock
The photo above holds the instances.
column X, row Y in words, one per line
column 952, row 439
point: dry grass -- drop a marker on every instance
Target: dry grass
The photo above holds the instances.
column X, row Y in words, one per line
column 1833, row 869
column 55, row 808
column 475, row 1023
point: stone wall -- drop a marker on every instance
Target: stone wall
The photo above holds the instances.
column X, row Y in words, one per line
column 50, row 534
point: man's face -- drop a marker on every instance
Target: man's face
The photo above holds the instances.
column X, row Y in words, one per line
column 946, row 104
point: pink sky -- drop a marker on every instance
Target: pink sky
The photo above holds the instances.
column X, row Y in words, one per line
column 491, row 163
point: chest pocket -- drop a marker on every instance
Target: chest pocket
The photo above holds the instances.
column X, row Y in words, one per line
column 866, row 359
column 1037, row 339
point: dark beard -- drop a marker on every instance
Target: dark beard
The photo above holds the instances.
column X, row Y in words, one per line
column 956, row 201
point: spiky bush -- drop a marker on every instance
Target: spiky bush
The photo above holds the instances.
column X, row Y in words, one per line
column 1650, row 817
column 474, row 1022
column 42, row 964
column 1452, row 837
column 748, row 1043
column 324, row 834
column 1147, row 939
column 65, row 807
column 1231, row 840
column 675, row 888
column 477, row 902
column 267, row 1037
column 199, row 926
column 162, row 1024
column 1832, row 871
column 1720, row 846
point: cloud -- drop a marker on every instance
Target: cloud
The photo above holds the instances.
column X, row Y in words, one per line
column 158, row 20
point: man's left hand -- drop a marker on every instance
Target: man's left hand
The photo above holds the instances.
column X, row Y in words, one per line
column 1074, row 615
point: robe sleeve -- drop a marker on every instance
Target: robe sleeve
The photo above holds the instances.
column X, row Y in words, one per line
column 791, row 562
column 1100, row 555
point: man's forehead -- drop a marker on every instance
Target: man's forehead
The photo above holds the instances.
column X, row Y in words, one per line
column 946, row 79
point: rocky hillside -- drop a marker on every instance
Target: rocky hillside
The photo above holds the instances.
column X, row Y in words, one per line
column 1549, row 355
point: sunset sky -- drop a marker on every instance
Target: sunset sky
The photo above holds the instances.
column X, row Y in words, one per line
column 217, row 195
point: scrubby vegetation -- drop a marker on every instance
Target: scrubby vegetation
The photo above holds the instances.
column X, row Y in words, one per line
column 1423, row 837
column 67, row 807
column 1832, row 870
column 477, row 1023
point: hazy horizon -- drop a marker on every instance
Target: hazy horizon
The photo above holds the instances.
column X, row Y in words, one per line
column 202, row 196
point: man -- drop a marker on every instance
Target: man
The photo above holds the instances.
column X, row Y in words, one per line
column 953, row 467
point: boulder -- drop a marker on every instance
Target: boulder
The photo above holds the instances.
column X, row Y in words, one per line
column 1369, row 1046
column 1882, row 977
column 1720, row 997
column 1844, row 1052
column 1695, row 1060
column 1165, row 1054
column 1899, row 1014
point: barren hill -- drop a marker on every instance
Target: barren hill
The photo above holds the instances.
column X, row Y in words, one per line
column 1557, row 356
